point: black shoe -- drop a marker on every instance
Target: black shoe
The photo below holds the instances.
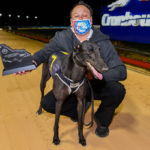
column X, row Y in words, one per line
column 101, row 131
column 75, row 118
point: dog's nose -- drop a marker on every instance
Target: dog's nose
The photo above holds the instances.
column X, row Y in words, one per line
column 105, row 69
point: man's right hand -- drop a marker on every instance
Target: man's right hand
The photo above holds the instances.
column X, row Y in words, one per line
column 27, row 71
column 22, row 72
column 89, row 75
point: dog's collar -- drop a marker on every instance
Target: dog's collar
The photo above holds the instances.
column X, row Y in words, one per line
column 72, row 86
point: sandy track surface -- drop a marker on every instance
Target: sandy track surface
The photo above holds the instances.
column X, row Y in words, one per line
column 22, row 129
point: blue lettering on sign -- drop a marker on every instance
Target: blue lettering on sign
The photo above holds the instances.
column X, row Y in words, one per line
column 127, row 20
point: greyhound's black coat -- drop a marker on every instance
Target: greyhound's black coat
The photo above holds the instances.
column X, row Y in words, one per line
column 55, row 70
column 74, row 66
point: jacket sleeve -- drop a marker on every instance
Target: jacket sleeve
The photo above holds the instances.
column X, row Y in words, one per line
column 117, row 70
column 43, row 55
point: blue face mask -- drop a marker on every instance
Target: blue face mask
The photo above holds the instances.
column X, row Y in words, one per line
column 82, row 26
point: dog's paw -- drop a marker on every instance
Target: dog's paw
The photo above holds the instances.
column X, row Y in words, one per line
column 82, row 141
column 56, row 141
column 39, row 112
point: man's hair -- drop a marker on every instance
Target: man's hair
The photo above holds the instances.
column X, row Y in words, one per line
column 84, row 4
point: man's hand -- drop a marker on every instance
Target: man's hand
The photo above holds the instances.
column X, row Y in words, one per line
column 27, row 71
column 89, row 75
column 22, row 72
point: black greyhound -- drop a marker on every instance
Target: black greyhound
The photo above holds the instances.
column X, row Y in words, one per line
column 85, row 57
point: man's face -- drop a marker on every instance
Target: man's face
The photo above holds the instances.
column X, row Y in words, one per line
column 80, row 12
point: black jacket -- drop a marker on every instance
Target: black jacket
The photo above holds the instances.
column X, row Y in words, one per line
column 65, row 41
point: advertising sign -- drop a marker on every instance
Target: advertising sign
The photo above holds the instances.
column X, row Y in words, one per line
column 127, row 20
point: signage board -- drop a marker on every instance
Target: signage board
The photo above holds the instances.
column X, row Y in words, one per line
column 127, row 20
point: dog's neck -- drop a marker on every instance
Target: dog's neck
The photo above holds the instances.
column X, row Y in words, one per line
column 72, row 69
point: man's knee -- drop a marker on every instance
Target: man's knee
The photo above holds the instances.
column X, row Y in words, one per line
column 117, row 92
column 112, row 94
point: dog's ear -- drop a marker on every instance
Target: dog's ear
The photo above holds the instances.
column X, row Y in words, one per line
column 77, row 48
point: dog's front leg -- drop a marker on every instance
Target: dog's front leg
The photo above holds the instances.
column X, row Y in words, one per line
column 56, row 139
column 80, row 109
column 45, row 77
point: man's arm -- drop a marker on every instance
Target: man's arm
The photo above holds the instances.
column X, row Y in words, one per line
column 117, row 70
column 117, row 73
column 43, row 55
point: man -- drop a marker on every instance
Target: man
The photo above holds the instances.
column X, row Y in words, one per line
column 108, row 90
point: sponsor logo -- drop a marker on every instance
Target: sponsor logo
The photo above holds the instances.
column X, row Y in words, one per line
column 81, row 26
column 127, row 19
column 4, row 51
column 118, row 3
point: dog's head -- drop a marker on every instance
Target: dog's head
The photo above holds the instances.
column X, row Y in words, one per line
column 87, row 54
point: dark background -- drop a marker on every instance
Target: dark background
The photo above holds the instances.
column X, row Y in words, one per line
column 52, row 12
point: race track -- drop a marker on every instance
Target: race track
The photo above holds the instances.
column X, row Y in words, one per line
column 22, row 129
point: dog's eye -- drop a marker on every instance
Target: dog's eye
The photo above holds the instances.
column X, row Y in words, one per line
column 91, row 57
column 90, row 51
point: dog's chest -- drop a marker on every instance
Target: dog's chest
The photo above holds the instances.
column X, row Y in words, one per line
column 72, row 86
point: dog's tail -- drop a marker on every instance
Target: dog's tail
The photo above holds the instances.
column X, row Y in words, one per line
column 90, row 124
